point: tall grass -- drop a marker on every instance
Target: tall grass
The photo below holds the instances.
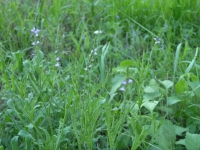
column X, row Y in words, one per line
column 99, row 74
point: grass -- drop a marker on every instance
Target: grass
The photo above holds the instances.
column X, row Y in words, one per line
column 99, row 75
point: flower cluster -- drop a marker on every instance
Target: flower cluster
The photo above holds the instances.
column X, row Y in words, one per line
column 91, row 55
column 57, row 60
column 93, row 52
column 158, row 41
column 98, row 32
column 125, row 83
column 36, row 33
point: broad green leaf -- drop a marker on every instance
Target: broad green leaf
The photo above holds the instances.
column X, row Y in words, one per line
column 153, row 83
column 14, row 143
column 149, row 89
column 119, row 69
column 66, row 130
column 172, row 100
column 25, row 134
column 40, row 56
column 166, row 109
column 123, row 142
column 116, row 83
column 102, row 100
column 1, row 148
column 39, row 115
column 150, row 105
column 195, row 88
column 194, row 78
column 166, row 83
column 11, row 105
column 181, row 86
column 192, row 141
column 151, row 96
column 179, row 130
column 127, row 63
column 30, row 126
column 181, row 142
column 165, row 137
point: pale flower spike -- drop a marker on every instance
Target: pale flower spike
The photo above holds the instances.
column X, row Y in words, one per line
column 97, row 32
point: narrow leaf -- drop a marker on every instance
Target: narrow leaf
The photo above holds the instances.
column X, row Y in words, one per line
column 14, row 143
column 192, row 62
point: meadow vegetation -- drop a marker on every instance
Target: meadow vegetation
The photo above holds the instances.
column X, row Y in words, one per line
column 99, row 75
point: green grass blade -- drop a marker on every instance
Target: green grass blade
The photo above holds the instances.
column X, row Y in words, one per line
column 176, row 60
column 192, row 62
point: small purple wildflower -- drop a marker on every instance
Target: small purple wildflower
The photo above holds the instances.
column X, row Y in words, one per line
column 35, row 31
column 157, row 40
column 134, row 33
column 35, row 43
column 124, row 82
column 130, row 81
column 122, row 89
column 57, row 59
column 117, row 16
column 165, row 27
column 94, row 52
column 57, row 65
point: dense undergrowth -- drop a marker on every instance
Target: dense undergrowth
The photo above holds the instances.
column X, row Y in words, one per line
column 99, row 74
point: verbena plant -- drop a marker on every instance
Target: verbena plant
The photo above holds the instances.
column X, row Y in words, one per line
column 99, row 74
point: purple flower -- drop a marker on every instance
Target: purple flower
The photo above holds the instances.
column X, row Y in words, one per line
column 57, row 65
column 129, row 81
column 35, row 31
column 124, row 82
column 157, row 40
column 122, row 89
column 57, row 59
column 35, row 43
